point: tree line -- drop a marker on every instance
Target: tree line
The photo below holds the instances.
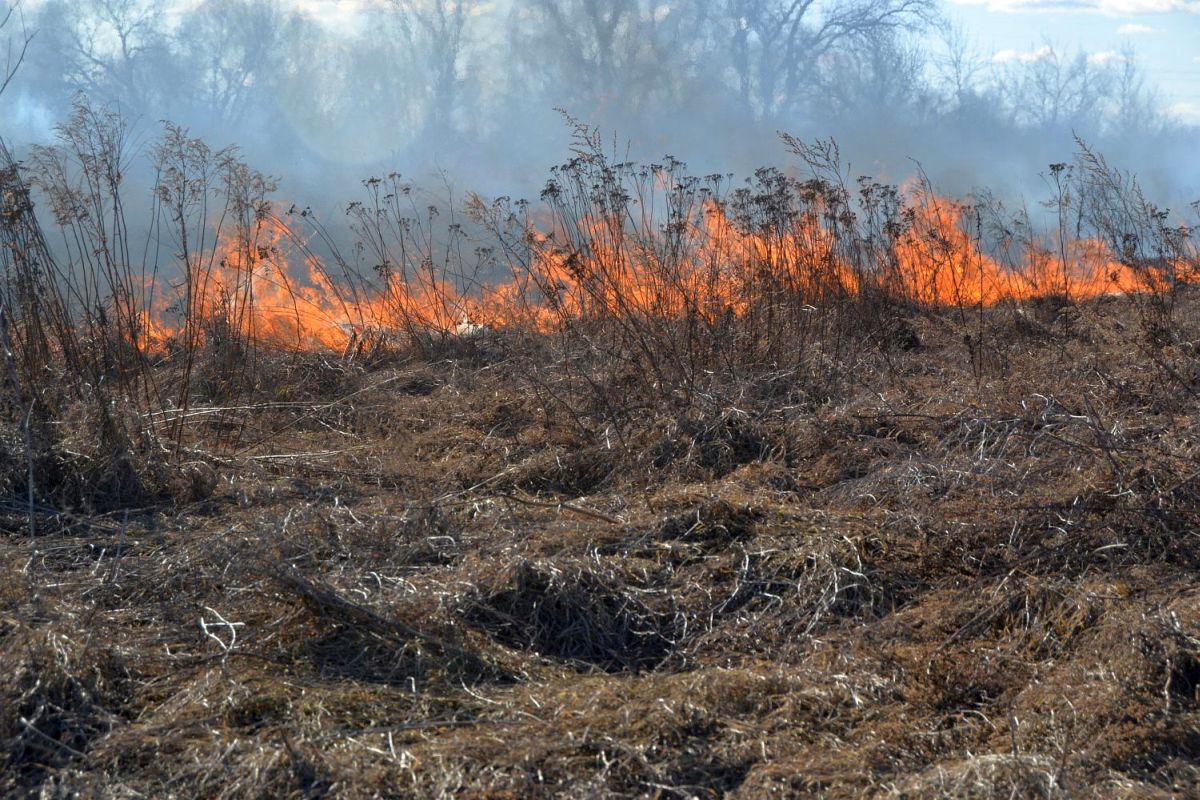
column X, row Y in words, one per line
column 412, row 78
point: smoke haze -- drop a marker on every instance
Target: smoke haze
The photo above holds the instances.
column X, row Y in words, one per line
column 323, row 95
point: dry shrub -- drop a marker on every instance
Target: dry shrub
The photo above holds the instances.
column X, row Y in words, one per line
column 13, row 473
column 224, row 365
column 108, row 460
column 90, row 457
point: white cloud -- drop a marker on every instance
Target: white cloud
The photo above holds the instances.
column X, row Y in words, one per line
column 1043, row 53
column 1186, row 111
column 658, row 13
column 343, row 14
column 1122, row 8
column 1133, row 28
column 1047, row 53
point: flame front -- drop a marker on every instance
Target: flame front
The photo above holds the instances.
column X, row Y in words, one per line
column 266, row 286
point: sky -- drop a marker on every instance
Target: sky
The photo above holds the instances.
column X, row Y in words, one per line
column 1164, row 34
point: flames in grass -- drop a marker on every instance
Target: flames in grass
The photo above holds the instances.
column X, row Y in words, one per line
column 267, row 286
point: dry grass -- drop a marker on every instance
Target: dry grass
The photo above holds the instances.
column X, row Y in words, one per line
column 839, row 544
column 419, row 579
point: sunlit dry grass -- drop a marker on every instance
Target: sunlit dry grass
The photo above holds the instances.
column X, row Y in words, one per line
column 835, row 539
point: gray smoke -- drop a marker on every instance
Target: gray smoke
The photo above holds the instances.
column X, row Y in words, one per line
column 466, row 92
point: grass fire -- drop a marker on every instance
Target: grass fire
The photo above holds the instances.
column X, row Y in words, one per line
column 662, row 483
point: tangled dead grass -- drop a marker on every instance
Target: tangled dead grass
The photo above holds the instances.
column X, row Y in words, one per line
column 953, row 577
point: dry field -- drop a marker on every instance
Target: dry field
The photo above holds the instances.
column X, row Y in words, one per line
column 946, row 571
column 791, row 489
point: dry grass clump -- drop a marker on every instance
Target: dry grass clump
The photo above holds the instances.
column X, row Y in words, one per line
column 86, row 458
column 352, row 641
column 584, row 614
column 987, row 776
column 58, row 695
column 575, row 472
column 702, row 446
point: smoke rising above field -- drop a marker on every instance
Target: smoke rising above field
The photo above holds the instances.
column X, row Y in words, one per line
column 325, row 94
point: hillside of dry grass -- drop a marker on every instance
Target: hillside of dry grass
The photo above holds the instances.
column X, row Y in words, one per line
column 958, row 559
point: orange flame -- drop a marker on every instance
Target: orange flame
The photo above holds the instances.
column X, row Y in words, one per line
column 265, row 286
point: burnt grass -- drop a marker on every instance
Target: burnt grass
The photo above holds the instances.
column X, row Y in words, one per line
column 967, row 567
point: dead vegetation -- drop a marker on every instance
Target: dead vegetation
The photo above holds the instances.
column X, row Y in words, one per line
column 415, row 579
column 840, row 543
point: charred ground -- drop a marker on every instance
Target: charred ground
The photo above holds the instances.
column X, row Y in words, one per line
column 956, row 559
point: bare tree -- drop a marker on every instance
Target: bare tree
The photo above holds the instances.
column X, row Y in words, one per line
column 881, row 77
column 234, row 50
column 960, row 70
column 595, row 54
column 112, row 49
column 1049, row 90
column 15, row 47
column 436, row 33
column 776, row 47
column 1137, row 107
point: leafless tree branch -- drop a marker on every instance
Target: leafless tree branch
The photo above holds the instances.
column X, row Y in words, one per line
column 15, row 50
